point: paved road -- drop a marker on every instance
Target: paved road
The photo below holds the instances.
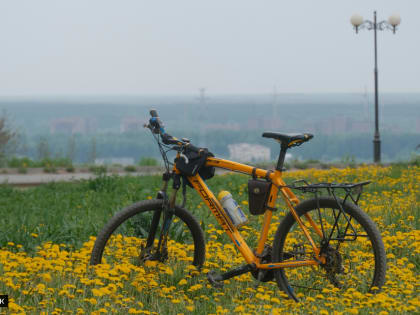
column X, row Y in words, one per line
column 38, row 179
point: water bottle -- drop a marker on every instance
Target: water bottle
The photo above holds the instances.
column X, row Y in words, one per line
column 232, row 209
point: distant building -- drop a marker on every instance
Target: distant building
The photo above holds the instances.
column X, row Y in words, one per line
column 247, row 152
column 72, row 125
column 131, row 124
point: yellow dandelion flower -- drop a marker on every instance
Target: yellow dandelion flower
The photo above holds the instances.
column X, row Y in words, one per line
column 150, row 263
column 239, row 308
column 182, row 282
column 91, row 301
column 46, row 277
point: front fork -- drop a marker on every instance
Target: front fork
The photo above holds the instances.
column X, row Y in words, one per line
column 168, row 209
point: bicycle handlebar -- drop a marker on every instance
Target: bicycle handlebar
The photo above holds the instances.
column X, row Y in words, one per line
column 153, row 113
column 157, row 126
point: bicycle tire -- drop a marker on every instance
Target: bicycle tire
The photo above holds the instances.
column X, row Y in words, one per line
column 129, row 221
column 340, row 265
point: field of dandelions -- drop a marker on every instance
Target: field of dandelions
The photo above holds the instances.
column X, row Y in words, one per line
column 47, row 234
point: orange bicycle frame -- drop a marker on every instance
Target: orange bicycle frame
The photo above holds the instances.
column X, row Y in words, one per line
column 278, row 184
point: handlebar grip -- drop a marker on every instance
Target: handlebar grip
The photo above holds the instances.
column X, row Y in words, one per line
column 153, row 113
column 168, row 139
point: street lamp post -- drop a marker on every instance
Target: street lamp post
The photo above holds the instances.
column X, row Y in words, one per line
column 392, row 23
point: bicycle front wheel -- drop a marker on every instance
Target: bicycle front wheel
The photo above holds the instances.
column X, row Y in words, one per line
column 351, row 244
column 124, row 237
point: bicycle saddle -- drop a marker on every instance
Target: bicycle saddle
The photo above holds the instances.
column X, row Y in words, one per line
column 289, row 139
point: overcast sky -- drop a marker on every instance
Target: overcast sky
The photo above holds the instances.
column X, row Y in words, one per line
column 51, row 47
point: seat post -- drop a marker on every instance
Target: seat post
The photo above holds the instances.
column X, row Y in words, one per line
column 282, row 156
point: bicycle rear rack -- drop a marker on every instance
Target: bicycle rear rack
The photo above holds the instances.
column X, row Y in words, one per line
column 344, row 191
column 351, row 190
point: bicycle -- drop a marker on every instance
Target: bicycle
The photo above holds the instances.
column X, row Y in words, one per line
column 328, row 236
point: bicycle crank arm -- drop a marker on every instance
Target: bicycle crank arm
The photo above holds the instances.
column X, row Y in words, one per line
column 216, row 279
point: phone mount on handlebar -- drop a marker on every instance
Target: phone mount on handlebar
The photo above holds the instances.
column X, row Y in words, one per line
column 155, row 124
column 191, row 159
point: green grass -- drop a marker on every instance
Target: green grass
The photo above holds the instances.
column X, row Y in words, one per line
column 130, row 168
column 69, row 213
column 22, row 170
column 66, row 212
column 148, row 161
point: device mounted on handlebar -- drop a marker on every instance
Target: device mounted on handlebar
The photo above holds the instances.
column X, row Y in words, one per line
column 191, row 159
column 155, row 124
column 157, row 127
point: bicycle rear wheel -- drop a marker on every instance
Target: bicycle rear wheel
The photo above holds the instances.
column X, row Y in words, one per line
column 123, row 238
column 352, row 246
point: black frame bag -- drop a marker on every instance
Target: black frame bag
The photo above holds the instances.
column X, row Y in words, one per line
column 258, row 192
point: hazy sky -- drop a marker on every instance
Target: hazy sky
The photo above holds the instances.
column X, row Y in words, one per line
column 51, row 47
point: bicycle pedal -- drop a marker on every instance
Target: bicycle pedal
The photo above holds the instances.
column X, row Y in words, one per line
column 215, row 279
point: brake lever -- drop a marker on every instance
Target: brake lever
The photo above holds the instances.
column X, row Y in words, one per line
column 182, row 155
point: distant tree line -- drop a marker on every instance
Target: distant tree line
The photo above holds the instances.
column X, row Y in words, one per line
column 86, row 148
column 207, row 125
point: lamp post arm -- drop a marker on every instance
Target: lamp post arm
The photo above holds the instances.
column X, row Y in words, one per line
column 366, row 24
column 380, row 26
column 385, row 25
column 369, row 25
